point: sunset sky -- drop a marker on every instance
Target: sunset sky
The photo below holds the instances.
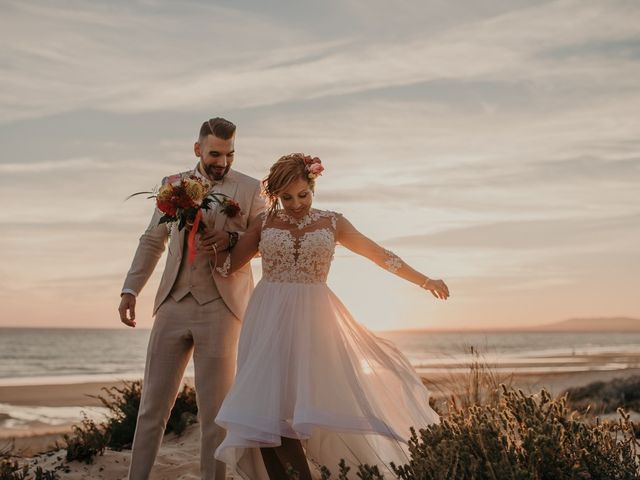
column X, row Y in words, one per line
column 491, row 143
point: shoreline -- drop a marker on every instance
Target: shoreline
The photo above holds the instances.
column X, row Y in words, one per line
column 36, row 437
column 83, row 392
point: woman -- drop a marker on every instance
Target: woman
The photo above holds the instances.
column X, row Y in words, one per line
column 307, row 371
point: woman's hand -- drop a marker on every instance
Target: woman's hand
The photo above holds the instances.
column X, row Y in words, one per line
column 213, row 241
column 437, row 288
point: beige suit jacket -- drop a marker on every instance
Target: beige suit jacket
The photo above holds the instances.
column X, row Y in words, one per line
column 235, row 289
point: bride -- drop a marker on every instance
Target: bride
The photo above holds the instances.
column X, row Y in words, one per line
column 313, row 386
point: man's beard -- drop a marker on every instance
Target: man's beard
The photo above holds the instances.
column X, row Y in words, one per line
column 215, row 173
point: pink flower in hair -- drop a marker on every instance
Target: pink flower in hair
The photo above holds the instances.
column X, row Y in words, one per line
column 315, row 169
column 314, row 166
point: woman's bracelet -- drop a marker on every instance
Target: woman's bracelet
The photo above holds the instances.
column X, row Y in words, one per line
column 425, row 283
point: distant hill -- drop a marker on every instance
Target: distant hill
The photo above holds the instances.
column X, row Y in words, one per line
column 620, row 324
column 597, row 324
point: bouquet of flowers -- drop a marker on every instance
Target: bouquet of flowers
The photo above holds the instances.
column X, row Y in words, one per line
column 182, row 198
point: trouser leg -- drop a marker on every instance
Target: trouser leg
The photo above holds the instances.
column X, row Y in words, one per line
column 168, row 353
column 215, row 342
column 214, row 377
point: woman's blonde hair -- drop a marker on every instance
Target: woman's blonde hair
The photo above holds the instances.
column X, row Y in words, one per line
column 286, row 170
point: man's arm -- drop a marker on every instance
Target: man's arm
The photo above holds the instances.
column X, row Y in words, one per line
column 150, row 248
column 222, row 239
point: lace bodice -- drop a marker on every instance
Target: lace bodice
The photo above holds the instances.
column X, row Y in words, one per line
column 298, row 252
column 301, row 251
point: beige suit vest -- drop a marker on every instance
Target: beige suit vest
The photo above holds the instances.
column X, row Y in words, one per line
column 195, row 279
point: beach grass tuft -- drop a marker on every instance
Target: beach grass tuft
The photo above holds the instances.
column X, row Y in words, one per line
column 11, row 469
column 479, row 385
column 90, row 439
column 87, row 441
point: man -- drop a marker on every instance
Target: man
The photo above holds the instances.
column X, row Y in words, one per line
column 196, row 310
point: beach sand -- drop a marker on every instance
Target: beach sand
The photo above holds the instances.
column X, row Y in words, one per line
column 179, row 456
column 61, row 395
column 554, row 382
column 36, row 437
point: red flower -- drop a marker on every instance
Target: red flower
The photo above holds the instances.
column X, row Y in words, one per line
column 231, row 208
column 182, row 200
column 167, row 208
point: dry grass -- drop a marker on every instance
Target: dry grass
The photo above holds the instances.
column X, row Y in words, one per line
column 480, row 385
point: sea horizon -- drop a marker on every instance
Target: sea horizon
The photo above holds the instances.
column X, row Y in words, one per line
column 632, row 325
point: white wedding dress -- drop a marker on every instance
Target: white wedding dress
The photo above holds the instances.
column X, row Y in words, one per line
column 308, row 370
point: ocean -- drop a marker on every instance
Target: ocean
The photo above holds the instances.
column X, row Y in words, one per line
column 39, row 356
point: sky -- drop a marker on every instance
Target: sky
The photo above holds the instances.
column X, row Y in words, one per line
column 492, row 143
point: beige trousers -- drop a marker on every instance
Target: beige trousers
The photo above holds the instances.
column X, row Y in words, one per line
column 210, row 332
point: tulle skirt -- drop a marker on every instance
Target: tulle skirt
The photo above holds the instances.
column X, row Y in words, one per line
column 308, row 370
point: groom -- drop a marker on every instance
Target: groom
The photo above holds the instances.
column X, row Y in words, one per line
column 196, row 312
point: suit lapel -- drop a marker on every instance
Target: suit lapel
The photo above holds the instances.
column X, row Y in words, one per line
column 228, row 188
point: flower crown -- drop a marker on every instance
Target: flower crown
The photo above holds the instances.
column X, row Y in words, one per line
column 313, row 165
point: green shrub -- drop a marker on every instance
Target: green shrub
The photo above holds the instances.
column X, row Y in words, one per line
column 524, row 437
column 184, row 411
column 123, row 403
column 12, row 470
column 41, row 474
column 527, row 437
column 606, row 397
column 88, row 440
column 365, row 472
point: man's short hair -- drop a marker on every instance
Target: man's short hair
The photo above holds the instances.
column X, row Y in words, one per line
column 219, row 127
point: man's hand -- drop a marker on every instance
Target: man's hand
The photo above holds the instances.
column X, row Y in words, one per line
column 211, row 238
column 128, row 305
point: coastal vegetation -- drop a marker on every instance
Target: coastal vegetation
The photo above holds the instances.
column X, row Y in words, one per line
column 90, row 439
column 489, row 430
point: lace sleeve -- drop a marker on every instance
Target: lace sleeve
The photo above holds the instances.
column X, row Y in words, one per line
column 392, row 262
column 349, row 237
column 225, row 268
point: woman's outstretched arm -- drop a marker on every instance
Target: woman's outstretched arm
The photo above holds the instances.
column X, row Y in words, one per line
column 348, row 236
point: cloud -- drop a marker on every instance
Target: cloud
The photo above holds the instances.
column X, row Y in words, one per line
column 514, row 47
column 53, row 165
column 556, row 234
column 495, row 143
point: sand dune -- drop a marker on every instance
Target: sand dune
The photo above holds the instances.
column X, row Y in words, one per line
column 179, row 459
